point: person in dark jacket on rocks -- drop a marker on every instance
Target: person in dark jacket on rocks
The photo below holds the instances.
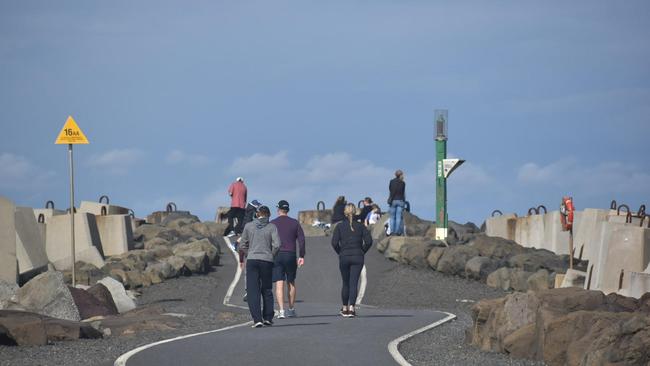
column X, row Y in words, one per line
column 251, row 210
column 351, row 240
column 337, row 210
column 397, row 201
column 260, row 243
column 367, row 207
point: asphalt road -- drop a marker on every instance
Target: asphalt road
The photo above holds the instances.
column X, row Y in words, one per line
column 318, row 336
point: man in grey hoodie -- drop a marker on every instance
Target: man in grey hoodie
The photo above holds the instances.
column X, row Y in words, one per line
column 260, row 243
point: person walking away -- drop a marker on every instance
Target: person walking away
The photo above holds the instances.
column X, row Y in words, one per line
column 237, row 192
column 396, row 200
column 251, row 210
column 337, row 210
column 367, row 207
column 351, row 241
column 261, row 241
column 287, row 262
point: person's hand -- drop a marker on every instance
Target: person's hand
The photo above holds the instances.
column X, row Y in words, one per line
column 301, row 262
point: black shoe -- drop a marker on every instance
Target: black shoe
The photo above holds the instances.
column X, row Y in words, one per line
column 352, row 313
column 245, row 298
column 343, row 313
column 268, row 323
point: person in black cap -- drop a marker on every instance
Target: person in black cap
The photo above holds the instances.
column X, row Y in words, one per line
column 287, row 261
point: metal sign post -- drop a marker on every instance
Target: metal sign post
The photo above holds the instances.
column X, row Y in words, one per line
column 444, row 168
column 71, row 134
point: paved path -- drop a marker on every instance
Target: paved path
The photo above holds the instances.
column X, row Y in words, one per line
column 318, row 336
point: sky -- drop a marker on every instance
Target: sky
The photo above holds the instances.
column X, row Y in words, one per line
column 308, row 100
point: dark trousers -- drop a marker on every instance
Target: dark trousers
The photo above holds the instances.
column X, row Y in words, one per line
column 235, row 213
column 350, row 266
column 259, row 284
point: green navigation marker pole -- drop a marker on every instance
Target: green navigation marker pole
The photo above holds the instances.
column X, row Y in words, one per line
column 444, row 167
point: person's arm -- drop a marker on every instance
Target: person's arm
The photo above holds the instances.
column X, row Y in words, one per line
column 275, row 241
column 336, row 239
column 301, row 242
column 367, row 240
column 391, row 191
column 230, row 190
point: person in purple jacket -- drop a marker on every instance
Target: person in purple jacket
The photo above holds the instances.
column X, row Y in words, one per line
column 287, row 261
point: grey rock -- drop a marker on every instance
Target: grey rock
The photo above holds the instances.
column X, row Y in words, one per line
column 122, row 301
column 7, row 291
column 495, row 247
column 478, row 268
column 47, row 294
column 454, row 259
column 198, row 249
column 540, row 280
column 536, row 259
column 383, row 244
column 415, row 251
column 434, row 257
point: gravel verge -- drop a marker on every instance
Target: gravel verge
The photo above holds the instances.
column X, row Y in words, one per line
column 399, row 286
column 199, row 297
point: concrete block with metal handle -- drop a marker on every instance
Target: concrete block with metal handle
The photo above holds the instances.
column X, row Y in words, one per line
column 116, row 234
column 8, row 261
column 502, row 226
column 88, row 246
column 30, row 244
column 628, row 249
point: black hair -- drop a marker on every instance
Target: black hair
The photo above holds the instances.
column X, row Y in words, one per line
column 264, row 211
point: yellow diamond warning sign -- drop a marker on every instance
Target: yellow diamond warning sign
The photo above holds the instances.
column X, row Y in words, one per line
column 71, row 134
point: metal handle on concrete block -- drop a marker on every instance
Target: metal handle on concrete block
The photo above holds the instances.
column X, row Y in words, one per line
column 542, row 206
column 620, row 280
column 497, row 212
column 628, row 218
column 103, row 212
column 131, row 213
column 49, row 204
column 618, row 210
column 360, row 204
column 533, row 210
column 613, row 205
column 104, row 198
column 171, row 207
column 641, row 211
column 319, row 205
column 41, row 218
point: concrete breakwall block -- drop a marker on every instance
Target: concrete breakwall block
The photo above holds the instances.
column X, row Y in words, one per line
column 95, row 208
column 30, row 244
column 47, row 213
column 501, row 226
column 587, row 233
column 221, row 216
column 159, row 216
column 536, row 232
column 116, row 234
column 311, row 216
column 628, row 250
column 635, row 284
column 8, row 260
column 555, row 239
column 88, row 246
column 522, row 229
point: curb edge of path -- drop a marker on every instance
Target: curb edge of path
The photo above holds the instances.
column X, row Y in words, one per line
column 394, row 344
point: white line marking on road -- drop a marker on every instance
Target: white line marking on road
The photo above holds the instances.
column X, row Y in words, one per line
column 121, row 361
column 233, row 284
column 393, row 346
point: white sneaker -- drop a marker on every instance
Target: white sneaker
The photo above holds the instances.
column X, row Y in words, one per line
column 280, row 314
column 291, row 313
column 257, row 325
column 231, row 234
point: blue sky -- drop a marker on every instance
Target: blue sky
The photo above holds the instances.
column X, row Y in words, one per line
column 308, row 100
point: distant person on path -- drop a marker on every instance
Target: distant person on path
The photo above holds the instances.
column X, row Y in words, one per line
column 251, row 211
column 261, row 241
column 367, row 207
column 396, row 200
column 337, row 210
column 287, row 262
column 351, row 241
column 238, row 192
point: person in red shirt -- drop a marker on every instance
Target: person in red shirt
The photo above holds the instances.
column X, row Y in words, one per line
column 238, row 192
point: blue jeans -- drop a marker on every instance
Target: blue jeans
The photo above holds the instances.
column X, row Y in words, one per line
column 396, row 222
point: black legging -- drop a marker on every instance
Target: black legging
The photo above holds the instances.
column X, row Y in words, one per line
column 350, row 266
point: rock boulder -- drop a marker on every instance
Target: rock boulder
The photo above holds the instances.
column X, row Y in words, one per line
column 48, row 294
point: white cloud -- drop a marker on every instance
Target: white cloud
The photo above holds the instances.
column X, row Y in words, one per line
column 19, row 173
column 260, row 163
column 181, row 157
column 116, row 161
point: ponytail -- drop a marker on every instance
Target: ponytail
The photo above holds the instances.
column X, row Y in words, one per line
column 350, row 211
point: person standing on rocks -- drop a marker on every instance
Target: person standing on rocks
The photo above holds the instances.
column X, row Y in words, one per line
column 351, row 241
column 286, row 264
column 238, row 192
column 261, row 241
column 367, row 207
column 337, row 210
column 396, row 200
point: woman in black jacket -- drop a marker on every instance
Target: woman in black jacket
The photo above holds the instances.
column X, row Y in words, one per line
column 351, row 241
column 337, row 210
